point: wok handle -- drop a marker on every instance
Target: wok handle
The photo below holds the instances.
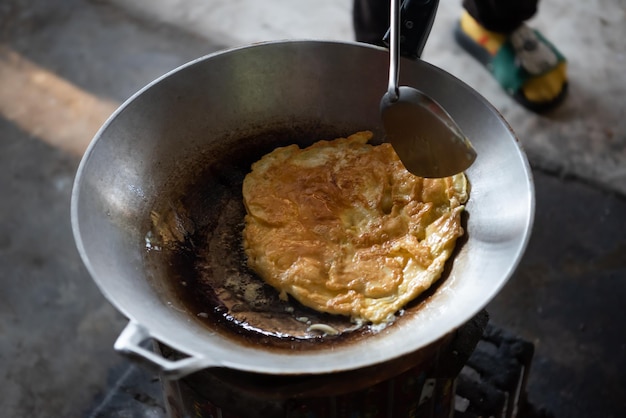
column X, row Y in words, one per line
column 129, row 344
column 416, row 21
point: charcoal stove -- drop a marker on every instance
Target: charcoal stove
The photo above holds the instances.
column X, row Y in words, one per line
column 481, row 372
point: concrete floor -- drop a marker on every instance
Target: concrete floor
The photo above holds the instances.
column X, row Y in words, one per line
column 66, row 64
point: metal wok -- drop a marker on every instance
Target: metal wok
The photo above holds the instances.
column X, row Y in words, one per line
column 190, row 136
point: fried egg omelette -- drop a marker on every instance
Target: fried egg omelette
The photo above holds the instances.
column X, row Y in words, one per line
column 344, row 228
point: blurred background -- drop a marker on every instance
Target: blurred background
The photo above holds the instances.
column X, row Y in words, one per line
column 65, row 65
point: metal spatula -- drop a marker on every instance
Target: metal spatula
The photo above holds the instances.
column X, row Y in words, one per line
column 425, row 137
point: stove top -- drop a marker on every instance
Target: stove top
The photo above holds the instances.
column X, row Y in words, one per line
column 491, row 382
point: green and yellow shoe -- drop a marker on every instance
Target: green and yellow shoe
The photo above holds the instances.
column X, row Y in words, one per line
column 526, row 65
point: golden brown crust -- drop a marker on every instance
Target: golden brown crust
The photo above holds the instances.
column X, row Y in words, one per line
column 343, row 227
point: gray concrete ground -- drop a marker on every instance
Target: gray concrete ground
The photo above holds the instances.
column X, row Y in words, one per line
column 66, row 64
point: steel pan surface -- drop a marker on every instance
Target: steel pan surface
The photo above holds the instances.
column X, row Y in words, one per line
column 192, row 114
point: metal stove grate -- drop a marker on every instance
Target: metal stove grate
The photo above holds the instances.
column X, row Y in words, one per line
column 491, row 382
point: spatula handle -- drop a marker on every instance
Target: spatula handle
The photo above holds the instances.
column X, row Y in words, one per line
column 393, row 93
column 416, row 21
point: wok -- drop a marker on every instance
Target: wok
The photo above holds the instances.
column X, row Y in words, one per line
column 184, row 142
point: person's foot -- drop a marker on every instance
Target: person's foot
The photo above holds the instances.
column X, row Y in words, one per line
column 526, row 65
